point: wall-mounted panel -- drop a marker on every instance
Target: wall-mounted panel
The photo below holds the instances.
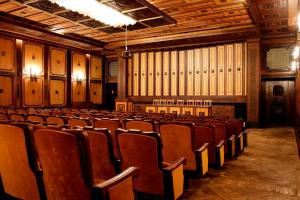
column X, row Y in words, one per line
column 197, row 81
column 238, row 50
column 136, row 70
column 229, row 70
column 150, row 74
column 190, row 72
column 182, row 67
column 78, row 65
column 143, row 73
column 245, row 68
column 58, row 62
column 78, row 92
column 96, row 93
column 158, row 71
column 57, row 92
column 96, row 68
column 205, row 63
column 174, row 72
column 212, row 71
column 33, row 59
column 33, row 92
column 166, row 73
column 7, row 54
column 6, row 90
column 221, row 74
column 129, row 77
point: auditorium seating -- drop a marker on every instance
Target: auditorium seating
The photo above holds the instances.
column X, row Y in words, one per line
column 56, row 120
column 78, row 122
column 139, row 124
column 144, row 150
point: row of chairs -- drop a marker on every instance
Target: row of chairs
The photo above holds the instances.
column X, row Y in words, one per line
column 198, row 103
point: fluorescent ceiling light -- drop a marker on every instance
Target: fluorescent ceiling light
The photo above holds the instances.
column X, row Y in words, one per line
column 97, row 11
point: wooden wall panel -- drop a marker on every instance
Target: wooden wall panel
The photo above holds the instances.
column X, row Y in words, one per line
column 129, row 77
column 197, row 81
column 238, row 50
column 136, row 74
column 212, row 71
column 33, row 59
column 143, row 73
column 221, row 74
column 58, row 61
column 78, row 65
column 78, row 92
column 182, row 67
column 158, row 71
column 33, row 92
column 229, row 72
column 96, row 68
column 96, row 93
column 174, row 74
column 6, row 90
column 57, row 92
column 190, row 72
column 166, row 72
column 7, row 54
column 151, row 74
column 205, row 78
column 245, row 68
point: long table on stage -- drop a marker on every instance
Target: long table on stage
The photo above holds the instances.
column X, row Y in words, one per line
column 180, row 109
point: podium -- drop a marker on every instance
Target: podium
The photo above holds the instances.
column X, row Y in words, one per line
column 124, row 105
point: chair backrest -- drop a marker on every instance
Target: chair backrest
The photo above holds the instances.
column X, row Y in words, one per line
column 17, row 117
column 102, row 154
column 35, row 118
column 65, row 164
column 78, row 122
column 142, row 125
column 60, row 121
column 178, row 141
column 3, row 116
column 17, row 163
column 144, row 151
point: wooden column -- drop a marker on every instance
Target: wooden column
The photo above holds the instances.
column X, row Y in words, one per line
column 122, row 76
column 254, row 66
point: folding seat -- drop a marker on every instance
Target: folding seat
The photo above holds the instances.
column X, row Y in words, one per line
column 36, row 118
column 18, row 164
column 17, row 117
column 67, row 173
column 111, row 125
column 139, row 124
column 60, row 121
column 178, row 139
column 144, row 150
column 78, row 122
column 216, row 152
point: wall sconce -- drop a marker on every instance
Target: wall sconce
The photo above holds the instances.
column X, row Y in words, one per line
column 79, row 78
column 33, row 74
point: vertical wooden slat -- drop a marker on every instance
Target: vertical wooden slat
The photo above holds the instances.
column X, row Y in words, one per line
column 238, row 69
column 229, row 64
column 197, row 58
column 136, row 74
column 182, row 65
column 245, row 69
column 174, row 74
column 190, row 72
column 143, row 73
column 150, row 74
column 221, row 74
column 205, row 59
column 166, row 67
column 212, row 70
column 129, row 77
column 158, row 69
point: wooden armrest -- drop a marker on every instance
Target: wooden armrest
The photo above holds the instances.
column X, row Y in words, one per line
column 232, row 137
column 202, row 148
column 175, row 164
column 220, row 144
column 130, row 171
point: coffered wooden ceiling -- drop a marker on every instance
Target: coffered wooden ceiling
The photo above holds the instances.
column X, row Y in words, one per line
column 162, row 22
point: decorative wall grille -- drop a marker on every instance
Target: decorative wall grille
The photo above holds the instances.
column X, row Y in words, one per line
column 278, row 58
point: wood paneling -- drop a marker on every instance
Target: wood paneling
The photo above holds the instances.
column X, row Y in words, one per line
column 158, row 71
column 96, row 93
column 78, row 92
column 58, row 62
column 78, row 64
column 57, row 92
column 212, row 71
column 33, row 59
column 143, row 73
column 190, row 72
column 7, row 54
column 136, row 82
column 33, row 92
column 174, row 72
column 96, row 68
column 238, row 69
column 129, row 77
column 151, row 74
column 229, row 70
column 166, row 73
column 198, row 63
column 6, row 90
column 221, row 73
column 182, row 67
column 205, row 77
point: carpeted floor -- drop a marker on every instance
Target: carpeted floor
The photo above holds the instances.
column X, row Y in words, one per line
column 269, row 169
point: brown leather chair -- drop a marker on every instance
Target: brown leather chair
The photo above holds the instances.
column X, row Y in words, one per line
column 67, row 173
column 144, row 150
column 178, row 139
column 139, row 124
column 78, row 122
column 60, row 121
column 17, row 163
column 36, row 118
column 111, row 125
column 17, row 117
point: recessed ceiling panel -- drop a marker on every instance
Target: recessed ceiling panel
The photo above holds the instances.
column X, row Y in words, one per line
column 93, row 23
column 123, row 5
column 75, row 16
column 46, row 6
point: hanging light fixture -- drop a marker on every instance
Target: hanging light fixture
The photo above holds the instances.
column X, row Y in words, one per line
column 97, row 11
column 126, row 53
